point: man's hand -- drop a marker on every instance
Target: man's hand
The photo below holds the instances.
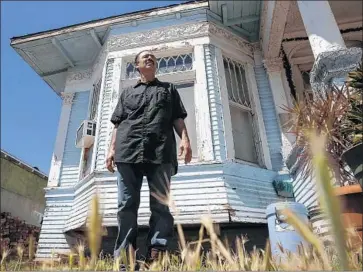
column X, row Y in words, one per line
column 185, row 150
column 110, row 161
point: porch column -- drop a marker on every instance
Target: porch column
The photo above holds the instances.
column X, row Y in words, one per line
column 281, row 99
column 298, row 81
column 55, row 166
column 332, row 58
column 202, row 106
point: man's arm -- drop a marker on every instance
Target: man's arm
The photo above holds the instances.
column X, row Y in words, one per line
column 110, row 160
column 116, row 119
column 185, row 148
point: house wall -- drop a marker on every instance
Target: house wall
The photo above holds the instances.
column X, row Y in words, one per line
column 70, row 165
column 273, row 134
column 52, row 239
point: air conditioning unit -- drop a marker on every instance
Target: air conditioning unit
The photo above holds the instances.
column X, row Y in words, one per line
column 86, row 134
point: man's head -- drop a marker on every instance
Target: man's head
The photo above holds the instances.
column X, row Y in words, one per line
column 145, row 63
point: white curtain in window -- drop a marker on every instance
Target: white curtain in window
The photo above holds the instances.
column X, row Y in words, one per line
column 186, row 92
column 242, row 129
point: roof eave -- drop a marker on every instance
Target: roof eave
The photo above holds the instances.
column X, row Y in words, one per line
column 106, row 21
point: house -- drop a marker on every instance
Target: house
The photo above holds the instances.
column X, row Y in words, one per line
column 235, row 63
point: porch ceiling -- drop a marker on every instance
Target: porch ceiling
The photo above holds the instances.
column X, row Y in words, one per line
column 348, row 14
column 51, row 53
column 241, row 16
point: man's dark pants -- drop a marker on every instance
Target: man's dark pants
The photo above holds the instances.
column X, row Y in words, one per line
column 129, row 186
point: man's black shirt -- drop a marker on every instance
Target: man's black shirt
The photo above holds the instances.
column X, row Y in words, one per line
column 144, row 117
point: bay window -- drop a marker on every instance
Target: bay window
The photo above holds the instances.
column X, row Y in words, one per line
column 177, row 69
column 244, row 132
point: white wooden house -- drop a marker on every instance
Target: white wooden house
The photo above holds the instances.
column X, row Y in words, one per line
column 234, row 62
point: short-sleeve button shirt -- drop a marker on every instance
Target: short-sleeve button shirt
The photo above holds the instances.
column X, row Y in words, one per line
column 144, row 117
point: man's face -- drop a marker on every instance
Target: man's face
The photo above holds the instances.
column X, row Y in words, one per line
column 146, row 62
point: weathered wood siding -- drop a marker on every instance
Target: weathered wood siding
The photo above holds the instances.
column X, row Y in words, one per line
column 228, row 192
column 269, row 117
column 69, row 174
column 305, row 189
column 249, row 191
column 58, row 206
column 241, row 181
column 59, row 200
column 196, row 190
column 215, row 105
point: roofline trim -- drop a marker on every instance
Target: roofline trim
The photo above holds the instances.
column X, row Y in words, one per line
column 108, row 21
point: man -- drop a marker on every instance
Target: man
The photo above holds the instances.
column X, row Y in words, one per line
column 143, row 144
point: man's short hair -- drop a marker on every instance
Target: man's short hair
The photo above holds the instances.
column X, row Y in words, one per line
column 138, row 54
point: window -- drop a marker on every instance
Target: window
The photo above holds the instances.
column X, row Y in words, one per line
column 186, row 92
column 183, row 79
column 243, row 124
column 165, row 65
column 95, row 100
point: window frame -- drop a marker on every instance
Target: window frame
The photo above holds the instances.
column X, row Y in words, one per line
column 97, row 83
column 184, row 55
column 260, row 160
column 176, row 78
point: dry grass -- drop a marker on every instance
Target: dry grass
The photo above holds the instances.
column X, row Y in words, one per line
column 342, row 256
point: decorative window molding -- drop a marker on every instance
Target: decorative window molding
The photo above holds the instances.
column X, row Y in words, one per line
column 80, row 75
column 67, row 98
column 165, row 65
column 95, row 100
column 159, row 37
column 244, row 129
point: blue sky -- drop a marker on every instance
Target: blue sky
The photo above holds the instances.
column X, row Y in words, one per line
column 29, row 108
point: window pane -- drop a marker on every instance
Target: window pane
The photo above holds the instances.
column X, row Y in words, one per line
column 162, row 68
column 187, row 96
column 245, row 89
column 241, row 97
column 228, row 80
column 179, row 64
column 95, row 99
column 130, row 70
column 188, row 62
column 234, row 86
column 236, row 82
column 242, row 130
